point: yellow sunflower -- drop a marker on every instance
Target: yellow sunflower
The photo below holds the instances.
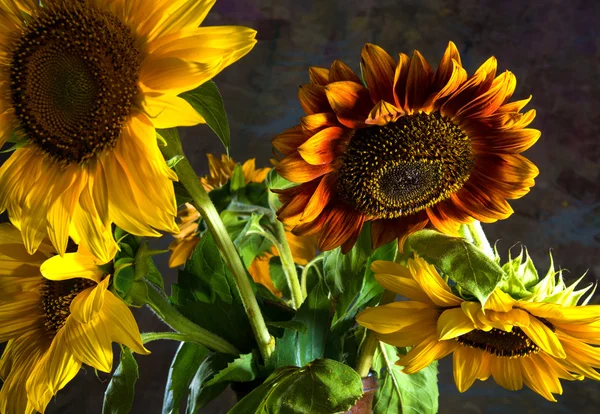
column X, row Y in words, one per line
column 413, row 147
column 220, row 171
column 84, row 84
column 533, row 341
column 54, row 324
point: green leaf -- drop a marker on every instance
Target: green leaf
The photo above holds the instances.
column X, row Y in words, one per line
column 300, row 348
column 124, row 275
column 278, row 276
column 461, row 261
column 402, row 393
column 187, row 360
column 207, row 101
column 323, row 386
column 153, row 275
column 292, row 325
column 118, row 398
column 206, row 274
column 200, row 393
column 242, row 369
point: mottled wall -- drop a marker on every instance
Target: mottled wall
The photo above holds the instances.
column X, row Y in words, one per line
column 553, row 48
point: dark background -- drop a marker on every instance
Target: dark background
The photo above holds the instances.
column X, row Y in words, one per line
column 552, row 47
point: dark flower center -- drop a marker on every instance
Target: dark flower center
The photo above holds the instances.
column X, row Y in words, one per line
column 405, row 166
column 501, row 343
column 56, row 301
column 74, row 76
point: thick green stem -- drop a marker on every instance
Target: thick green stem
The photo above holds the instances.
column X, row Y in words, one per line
column 289, row 267
column 367, row 350
column 479, row 238
column 189, row 178
column 192, row 332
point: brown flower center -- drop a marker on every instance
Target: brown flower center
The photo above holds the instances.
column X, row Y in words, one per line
column 56, row 301
column 405, row 166
column 501, row 343
column 74, row 76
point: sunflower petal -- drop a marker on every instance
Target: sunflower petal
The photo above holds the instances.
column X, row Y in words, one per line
column 71, row 266
column 467, row 362
column 395, row 316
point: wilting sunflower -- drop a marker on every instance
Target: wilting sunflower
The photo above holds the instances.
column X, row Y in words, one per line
column 83, row 85
column 54, row 324
column 220, row 171
column 518, row 342
column 409, row 148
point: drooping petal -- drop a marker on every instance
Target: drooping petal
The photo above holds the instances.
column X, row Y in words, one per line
column 543, row 337
column 507, row 372
column 87, row 304
column 467, row 362
column 425, row 353
column 395, row 316
column 90, row 342
column 350, row 101
column 121, row 325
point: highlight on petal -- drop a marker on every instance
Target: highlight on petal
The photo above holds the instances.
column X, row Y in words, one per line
column 395, row 316
column 71, row 266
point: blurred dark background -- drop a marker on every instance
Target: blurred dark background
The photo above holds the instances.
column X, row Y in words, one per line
column 553, row 48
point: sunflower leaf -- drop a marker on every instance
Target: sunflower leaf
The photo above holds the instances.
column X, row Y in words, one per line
column 118, row 398
column 323, row 386
column 469, row 267
column 402, row 393
column 200, row 393
column 242, row 369
column 183, row 368
column 208, row 102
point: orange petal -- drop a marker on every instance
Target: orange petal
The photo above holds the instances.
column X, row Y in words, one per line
column 400, row 77
column 342, row 72
column 318, row 76
column 448, row 64
column 350, row 101
column 507, row 142
column 378, row 70
column 340, row 224
column 383, row 113
column 442, row 222
column 313, row 99
column 289, row 140
column 488, row 102
column 515, row 106
column 420, row 76
column 316, row 122
column 295, row 169
column 324, row 146
column 320, row 198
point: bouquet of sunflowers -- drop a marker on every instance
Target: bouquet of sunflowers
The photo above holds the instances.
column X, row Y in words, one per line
column 332, row 282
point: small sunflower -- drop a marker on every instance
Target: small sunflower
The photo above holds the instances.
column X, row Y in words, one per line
column 83, row 85
column 220, row 171
column 410, row 148
column 535, row 341
column 54, row 324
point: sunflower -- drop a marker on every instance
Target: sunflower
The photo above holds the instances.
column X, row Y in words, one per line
column 54, row 324
column 220, row 171
column 410, row 148
column 533, row 341
column 83, row 85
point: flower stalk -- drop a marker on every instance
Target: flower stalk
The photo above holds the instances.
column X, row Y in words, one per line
column 186, row 329
column 289, row 267
column 189, row 178
column 479, row 238
column 370, row 344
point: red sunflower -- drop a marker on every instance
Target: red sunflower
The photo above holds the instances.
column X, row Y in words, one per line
column 412, row 148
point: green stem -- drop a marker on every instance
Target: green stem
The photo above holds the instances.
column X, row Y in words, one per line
column 192, row 332
column 304, row 279
column 189, row 178
column 287, row 262
column 367, row 350
column 479, row 238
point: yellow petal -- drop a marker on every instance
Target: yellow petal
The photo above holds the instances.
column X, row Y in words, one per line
column 394, row 316
column 500, row 301
column 174, row 75
column 538, row 377
column 169, row 111
column 472, row 310
column 56, row 368
column 90, row 343
column 453, row 323
column 507, row 372
column 71, row 266
column 121, row 324
column 410, row 335
column 467, row 363
column 403, row 286
column 180, row 15
column 425, row 353
column 20, row 315
column 432, row 284
column 543, row 337
column 88, row 303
